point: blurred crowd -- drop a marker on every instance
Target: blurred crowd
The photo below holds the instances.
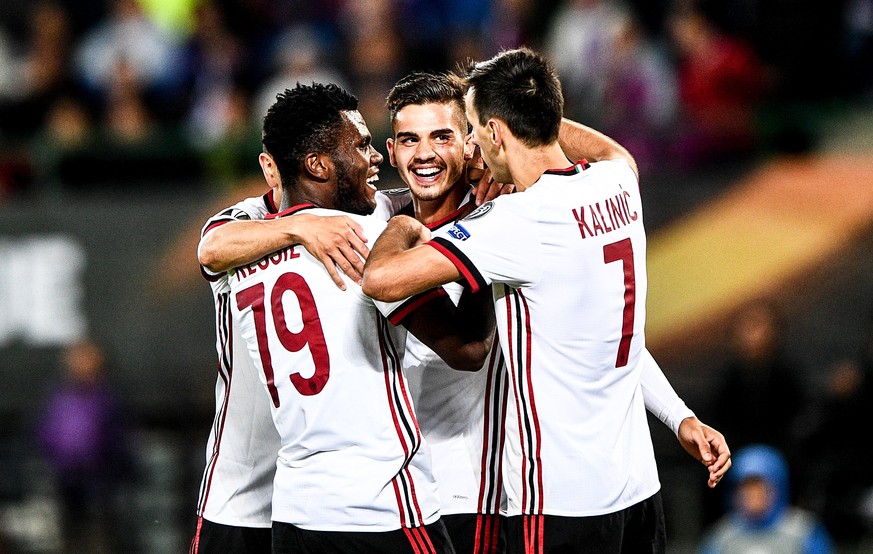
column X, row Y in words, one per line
column 156, row 92
column 110, row 94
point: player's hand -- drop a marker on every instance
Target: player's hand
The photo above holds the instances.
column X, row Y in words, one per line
column 486, row 188
column 706, row 445
column 480, row 178
column 337, row 242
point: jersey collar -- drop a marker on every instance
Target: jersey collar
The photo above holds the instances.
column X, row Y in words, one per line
column 292, row 210
column 577, row 167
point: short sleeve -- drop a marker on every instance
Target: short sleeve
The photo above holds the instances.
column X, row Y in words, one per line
column 395, row 312
column 496, row 243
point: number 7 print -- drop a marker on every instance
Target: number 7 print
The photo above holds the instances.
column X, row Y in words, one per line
column 623, row 251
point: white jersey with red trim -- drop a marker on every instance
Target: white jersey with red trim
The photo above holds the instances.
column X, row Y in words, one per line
column 237, row 484
column 567, row 262
column 461, row 416
column 352, row 455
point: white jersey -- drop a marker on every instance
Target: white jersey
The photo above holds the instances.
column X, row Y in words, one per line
column 237, row 484
column 352, row 455
column 567, row 262
column 461, row 416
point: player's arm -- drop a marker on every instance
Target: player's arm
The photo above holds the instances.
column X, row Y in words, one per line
column 333, row 240
column 461, row 335
column 704, row 443
column 400, row 265
column 582, row 142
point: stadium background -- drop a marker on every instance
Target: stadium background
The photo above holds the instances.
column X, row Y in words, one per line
column 762, row 188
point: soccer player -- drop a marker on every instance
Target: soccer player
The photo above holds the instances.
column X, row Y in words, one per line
column 460, row 413
column 233, row 506
column 353, row 472
column 566, row 260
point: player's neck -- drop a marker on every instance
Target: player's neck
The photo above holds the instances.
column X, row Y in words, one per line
column 431, row 211
column 527, row 164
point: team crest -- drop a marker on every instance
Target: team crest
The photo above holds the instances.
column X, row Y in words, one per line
column 481, row 210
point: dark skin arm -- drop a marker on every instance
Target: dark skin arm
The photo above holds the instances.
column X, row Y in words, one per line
column 462, row 336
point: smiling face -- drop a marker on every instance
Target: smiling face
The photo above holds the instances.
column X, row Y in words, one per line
column 356, row 166
column 429, row 148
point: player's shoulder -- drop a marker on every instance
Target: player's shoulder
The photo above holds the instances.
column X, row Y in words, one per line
column 254, row 207
column 618, row 167
column 390, row 202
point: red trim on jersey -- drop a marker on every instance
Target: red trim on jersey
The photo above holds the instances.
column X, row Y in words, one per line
column 454, row 216
column 413, row 303
column 291, row 211
column 528, row 427
column 225, row 372
column 533, row 405
column 409, row 515
column 490, row 483
column 215, row 224
column 270, row 202
column 474, row 280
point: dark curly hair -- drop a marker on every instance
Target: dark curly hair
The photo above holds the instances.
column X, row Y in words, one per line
column 522, row 88
column 304, row 119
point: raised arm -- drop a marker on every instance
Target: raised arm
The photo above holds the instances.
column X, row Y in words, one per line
column 581, row 142
column 335, row 241
column 400, row 265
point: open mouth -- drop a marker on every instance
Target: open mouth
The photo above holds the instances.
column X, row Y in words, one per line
column 427, row 173
column 372, row 180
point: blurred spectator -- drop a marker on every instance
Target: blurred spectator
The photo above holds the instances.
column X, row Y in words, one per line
column 760, row 383
column 127, row 38
column 299, row 55
column 838, row 481
column 581, row 42
column 639, row 101
column 36, row 72
column 507, row 27
column 84, row 441
column 68, row 132
column 721, row 89
column 761, row 517
column 213, row 62
column 858, row 46
column 233, row 156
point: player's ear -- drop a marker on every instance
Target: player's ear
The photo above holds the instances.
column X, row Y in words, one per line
column 270, row 170
column 318, row 165
column 495, row 132
column 389, row 145
column 469, row 147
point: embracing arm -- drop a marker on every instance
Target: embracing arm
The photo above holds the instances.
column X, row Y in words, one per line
column 462, row 336
column 334, row 240
column 400, row 265
column 581, row 142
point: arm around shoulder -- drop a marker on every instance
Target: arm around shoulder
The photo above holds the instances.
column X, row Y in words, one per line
column 582, row 142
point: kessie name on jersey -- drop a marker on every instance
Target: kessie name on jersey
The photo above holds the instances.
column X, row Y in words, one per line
column 273, row 259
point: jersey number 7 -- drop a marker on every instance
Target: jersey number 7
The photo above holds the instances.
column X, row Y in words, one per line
column 623, row 251
column 311, row 334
